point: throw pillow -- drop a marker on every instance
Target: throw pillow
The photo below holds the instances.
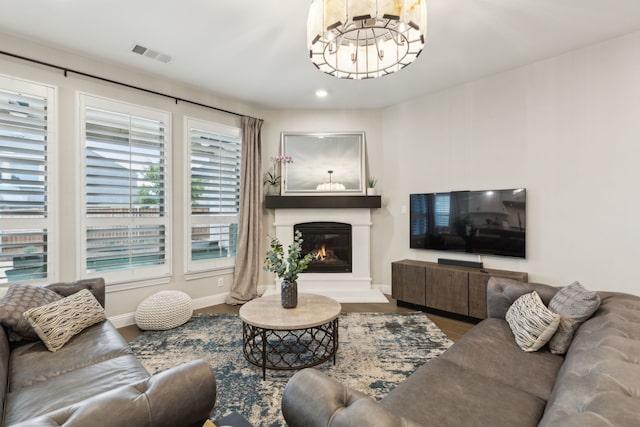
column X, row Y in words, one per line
column 18, row 299
column 531, row 322
column 574, row 304
column 56, row 323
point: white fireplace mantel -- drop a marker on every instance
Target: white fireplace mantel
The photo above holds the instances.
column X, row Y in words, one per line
column 344, row 287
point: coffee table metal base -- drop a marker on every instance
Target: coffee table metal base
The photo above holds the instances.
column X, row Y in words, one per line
column 290, row 349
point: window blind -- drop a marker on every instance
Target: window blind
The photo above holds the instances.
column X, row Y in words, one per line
column 125, row 157
column 24, row 184
column 215, row 159
column 126, row 176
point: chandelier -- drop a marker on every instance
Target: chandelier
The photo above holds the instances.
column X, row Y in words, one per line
column 364, row 39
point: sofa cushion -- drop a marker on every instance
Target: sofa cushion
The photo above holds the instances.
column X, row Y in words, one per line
column 57, row 322
column 442, row 393
column 599, row 382
column 31, row 362
column 96, row 285
column 531, row 322
column 489, row 349
column 181, row 396
column 18, row 299
column 574, row 304
column 71, row 387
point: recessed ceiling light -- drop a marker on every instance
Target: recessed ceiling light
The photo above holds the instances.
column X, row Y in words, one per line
column 321, row 93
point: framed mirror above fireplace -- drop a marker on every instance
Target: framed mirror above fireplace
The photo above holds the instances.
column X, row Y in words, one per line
column 323, row 163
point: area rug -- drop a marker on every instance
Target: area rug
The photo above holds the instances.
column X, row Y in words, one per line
column 377, row 351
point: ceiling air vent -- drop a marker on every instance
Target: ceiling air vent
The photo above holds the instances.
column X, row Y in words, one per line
column 151, row 53
column 139, row 49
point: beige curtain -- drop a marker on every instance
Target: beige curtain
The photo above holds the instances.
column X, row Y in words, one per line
column 248, row 258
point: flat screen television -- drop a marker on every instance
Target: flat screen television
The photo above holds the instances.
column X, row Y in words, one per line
column 479, row 222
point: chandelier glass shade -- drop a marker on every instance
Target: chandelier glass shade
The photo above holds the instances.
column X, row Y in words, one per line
column 363, row 39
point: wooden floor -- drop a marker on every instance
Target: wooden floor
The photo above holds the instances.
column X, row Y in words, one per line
column 454, row 328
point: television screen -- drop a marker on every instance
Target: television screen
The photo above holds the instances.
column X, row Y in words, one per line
column 479, row 222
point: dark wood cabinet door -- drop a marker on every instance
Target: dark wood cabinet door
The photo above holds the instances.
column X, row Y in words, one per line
column 456, row 289
column 478, row 295
column 407, row 283
column 447, row 290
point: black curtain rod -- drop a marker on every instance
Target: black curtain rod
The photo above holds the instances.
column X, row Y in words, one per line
column 80, row 73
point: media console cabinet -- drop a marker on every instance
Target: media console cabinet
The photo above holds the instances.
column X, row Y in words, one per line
column 450, row 288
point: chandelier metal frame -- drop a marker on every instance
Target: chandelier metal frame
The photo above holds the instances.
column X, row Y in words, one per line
column 366, row 45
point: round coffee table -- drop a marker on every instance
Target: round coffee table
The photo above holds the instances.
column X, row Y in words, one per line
column 290, row 338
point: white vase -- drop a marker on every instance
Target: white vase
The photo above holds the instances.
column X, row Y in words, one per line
column 371, row 191
column 273, row 190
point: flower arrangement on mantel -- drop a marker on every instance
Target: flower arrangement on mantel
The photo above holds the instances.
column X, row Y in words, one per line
column 274, row 176
column 287, row 269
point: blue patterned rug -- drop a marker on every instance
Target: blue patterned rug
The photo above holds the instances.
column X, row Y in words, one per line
column 376, row 352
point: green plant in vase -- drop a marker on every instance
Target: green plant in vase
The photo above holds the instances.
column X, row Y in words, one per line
column 287, row 267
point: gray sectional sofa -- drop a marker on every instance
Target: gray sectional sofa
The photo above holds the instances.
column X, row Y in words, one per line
column 95, row 380
column 485, row 379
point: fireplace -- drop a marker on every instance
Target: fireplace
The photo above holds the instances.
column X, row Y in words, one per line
column 330, row 245
column 352, row 286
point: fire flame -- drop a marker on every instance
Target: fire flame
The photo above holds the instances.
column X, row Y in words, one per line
column 320, row 254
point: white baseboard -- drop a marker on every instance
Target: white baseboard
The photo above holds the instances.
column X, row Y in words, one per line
column 127, row 319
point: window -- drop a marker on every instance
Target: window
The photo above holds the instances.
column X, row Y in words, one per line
column 125, row 198
column 26, row 161
column 442, row 209
column 214, row 186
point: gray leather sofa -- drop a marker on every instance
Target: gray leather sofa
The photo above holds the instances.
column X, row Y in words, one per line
column 95, row 380
column 485, row 379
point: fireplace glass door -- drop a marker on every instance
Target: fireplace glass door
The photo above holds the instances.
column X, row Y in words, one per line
column 330, row 245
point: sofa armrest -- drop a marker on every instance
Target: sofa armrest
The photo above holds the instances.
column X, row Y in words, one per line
column 181, row 396
column 311, row 399
column 502, row 292
column 95, row 286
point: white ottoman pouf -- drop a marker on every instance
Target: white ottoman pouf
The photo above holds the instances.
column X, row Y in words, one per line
column 164, row 310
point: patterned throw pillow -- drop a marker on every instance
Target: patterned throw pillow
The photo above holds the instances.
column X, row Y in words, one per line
column 18, row 299
column 574, row 304
column 531, row 322
column 58, row 322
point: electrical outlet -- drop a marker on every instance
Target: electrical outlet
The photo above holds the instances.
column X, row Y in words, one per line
column 220, row 282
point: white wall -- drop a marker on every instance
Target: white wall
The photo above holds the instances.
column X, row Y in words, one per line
column 567, row 129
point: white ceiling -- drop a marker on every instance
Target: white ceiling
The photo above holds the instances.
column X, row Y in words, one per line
column 255, row 50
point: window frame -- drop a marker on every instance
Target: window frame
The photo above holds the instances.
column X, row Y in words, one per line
column 49, row 221
column 204, row 265
column 124, row 275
